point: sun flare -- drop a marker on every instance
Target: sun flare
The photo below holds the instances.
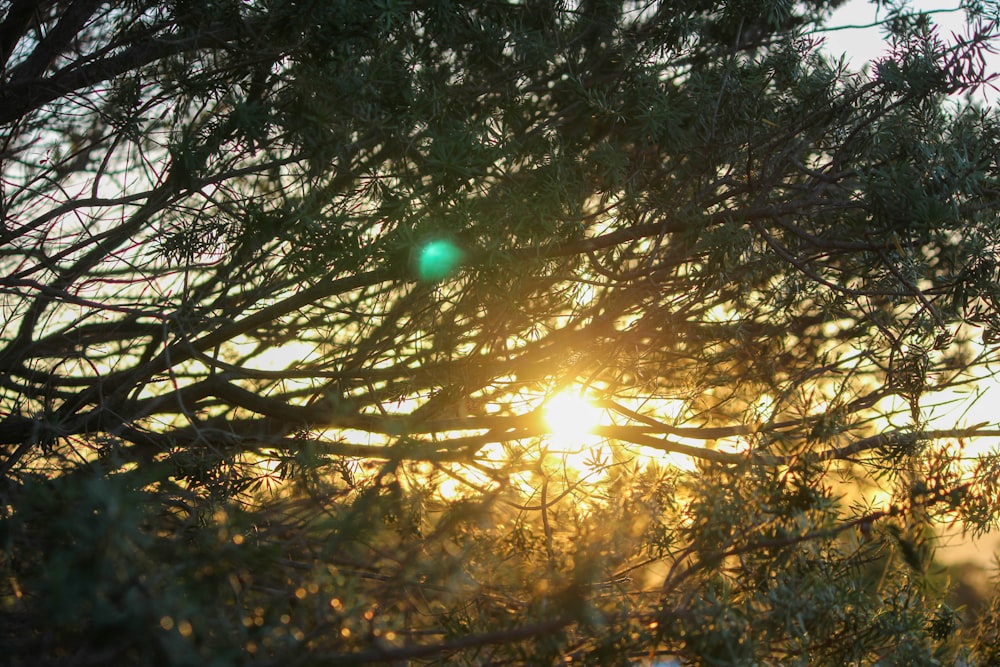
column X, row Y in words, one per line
column 571, row 416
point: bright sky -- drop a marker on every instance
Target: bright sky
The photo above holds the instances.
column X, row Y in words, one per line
column 862, row 45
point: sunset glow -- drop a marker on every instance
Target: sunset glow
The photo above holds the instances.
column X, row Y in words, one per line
column 571, row 416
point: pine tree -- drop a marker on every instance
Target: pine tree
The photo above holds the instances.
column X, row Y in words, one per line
column 290, row 290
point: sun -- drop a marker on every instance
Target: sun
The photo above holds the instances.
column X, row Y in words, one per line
column 572, row 420
column 571, row 417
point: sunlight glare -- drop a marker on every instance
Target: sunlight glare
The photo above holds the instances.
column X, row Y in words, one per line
column 571, row 417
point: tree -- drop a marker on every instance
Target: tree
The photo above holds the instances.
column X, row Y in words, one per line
column 287, row 287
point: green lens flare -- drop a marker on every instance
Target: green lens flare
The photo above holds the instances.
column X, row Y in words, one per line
column 438, row 260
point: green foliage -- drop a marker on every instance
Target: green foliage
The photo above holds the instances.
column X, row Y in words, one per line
column 288, row 287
